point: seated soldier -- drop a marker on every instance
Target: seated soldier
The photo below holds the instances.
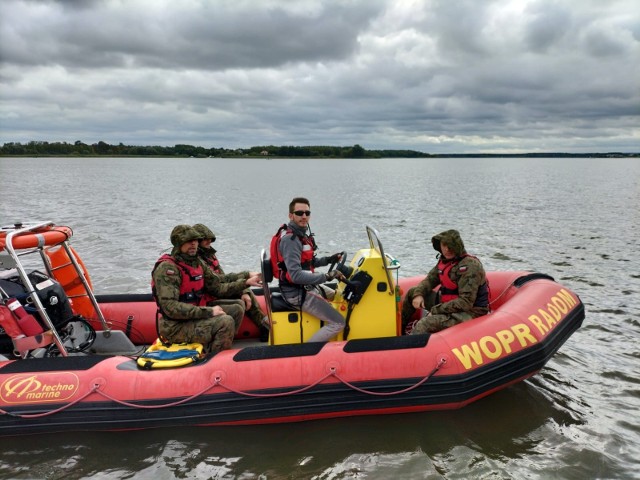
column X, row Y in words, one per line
column 252, row 308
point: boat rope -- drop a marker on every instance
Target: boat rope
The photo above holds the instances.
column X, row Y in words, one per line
column 281, row 394
column 218, row 382
column 164, row 405
column 506, row 289
column 334, row 373
column 439, row 365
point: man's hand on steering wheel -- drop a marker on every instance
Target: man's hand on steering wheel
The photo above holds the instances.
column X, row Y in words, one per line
column 337, row 260
column 333, row 274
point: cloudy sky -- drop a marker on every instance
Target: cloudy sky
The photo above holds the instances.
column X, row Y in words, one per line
column 438, row 76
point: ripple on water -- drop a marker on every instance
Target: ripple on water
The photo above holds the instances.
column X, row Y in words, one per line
column 573, row 278
column 561, row 264
column 502, row 257
column 620, row 375
column 614, row 311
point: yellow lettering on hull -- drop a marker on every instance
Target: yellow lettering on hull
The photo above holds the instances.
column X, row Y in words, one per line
column 491, row 347
column 556, row 309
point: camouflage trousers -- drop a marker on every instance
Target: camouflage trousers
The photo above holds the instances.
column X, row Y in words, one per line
column 215, row 333
column 233, row 307
column 255, row 313
column 435, row 323
column 429, row 323
column 408, row 312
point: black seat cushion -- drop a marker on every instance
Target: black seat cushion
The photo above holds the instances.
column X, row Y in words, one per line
column 279, row 304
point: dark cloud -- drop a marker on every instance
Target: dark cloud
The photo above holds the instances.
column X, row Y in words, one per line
column 546, row 27
column 211, row 36
column 432, row 75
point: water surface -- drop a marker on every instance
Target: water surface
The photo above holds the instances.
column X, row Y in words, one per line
column 574, row 219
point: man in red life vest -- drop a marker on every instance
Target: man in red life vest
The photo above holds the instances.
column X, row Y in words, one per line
column 208, row 254
column 463, row 294
column 181, row 282
column 293, row 259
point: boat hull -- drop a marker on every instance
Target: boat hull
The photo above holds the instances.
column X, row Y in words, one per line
column 532, row 317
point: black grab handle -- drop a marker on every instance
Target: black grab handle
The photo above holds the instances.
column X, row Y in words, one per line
column 518, row 282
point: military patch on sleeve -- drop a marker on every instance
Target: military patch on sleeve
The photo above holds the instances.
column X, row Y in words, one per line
column 462, row 269
column 170, row 271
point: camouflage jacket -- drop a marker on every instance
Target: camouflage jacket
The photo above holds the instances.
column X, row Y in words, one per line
column 468, row 274
column 168, row 278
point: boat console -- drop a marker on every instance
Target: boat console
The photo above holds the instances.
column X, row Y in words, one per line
column 367, row 299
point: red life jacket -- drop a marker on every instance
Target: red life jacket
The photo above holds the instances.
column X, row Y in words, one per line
column 191, row 286
column 277, row 262
column 212, row 262
column 449, row 289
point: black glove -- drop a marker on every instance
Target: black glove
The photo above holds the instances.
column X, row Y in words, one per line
column 333, row 274
column 335, row 258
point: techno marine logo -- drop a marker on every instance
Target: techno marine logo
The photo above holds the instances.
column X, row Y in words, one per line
column 39, row 387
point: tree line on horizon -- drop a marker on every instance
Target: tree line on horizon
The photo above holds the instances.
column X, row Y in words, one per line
column 80, row 149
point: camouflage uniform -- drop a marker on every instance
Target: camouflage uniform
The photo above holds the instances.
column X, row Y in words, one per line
column 187, row 322
column 255, row 313
column 469, row 281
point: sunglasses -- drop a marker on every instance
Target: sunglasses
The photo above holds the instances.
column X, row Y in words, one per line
column 300, row 213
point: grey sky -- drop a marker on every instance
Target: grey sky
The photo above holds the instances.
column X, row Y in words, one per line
column 434, row 75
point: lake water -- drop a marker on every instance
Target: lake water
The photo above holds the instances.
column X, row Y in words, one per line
column 575, row 219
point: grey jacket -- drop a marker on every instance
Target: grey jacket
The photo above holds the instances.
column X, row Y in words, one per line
column 291, row 251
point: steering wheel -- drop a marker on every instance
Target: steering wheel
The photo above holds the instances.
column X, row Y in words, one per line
column 339, row 264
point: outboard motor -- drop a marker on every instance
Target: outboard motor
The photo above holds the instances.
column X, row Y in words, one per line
column 53, row 298
column 19, row 316
column 50, row 293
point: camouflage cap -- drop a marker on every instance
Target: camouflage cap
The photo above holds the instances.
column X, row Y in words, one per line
column 204, row 231
column 451, row 238
column 182, row 234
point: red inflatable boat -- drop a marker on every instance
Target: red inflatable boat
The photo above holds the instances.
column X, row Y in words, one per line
column 82, row 368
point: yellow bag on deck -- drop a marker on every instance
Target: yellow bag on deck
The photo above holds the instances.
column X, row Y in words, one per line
column 174, row 355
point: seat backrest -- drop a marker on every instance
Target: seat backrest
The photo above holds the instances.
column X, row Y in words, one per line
column 267, row 277
column 265, row 265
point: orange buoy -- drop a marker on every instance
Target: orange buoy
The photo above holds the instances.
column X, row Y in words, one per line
column 42, row 237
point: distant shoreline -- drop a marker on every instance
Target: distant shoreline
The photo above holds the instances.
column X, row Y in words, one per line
column 36, row 149
column 270, row 157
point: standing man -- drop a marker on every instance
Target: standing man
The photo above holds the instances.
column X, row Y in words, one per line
column 208, row 254
column 463, row 294
column 180, row 282
column 293, row 260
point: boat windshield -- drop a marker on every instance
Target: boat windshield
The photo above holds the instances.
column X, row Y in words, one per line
column 389, row 262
